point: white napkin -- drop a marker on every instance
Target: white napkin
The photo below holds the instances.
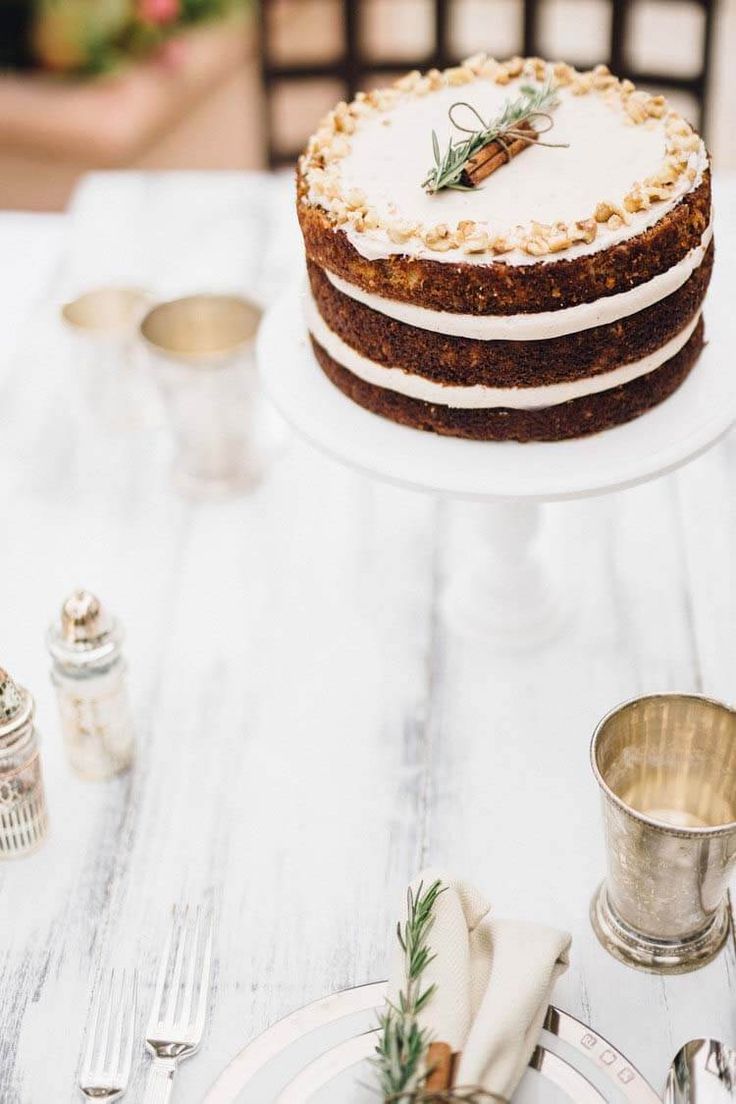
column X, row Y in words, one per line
column 493, row 982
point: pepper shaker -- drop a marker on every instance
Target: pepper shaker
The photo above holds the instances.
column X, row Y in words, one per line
column 89, row 674
column 23, row 817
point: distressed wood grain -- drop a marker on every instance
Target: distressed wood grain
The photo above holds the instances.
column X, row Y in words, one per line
column 310, row 732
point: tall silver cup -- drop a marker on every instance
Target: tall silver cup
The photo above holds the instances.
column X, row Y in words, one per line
column 202, row 351
column 666, row 765
column 108, row 377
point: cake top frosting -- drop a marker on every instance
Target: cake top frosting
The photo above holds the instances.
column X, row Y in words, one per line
column 620, row 160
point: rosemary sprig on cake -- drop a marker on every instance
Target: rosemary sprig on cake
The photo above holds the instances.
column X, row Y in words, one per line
column 467, row 161
column 407, row 1060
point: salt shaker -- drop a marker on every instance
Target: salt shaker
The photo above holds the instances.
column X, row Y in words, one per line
column 89, row 674
column 23, row 818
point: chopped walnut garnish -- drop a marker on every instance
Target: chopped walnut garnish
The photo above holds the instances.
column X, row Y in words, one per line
column 409, row 81
column 502, row 244
column 676, row 125
column 604, row 211
column 563, row 73
column 476, row 63
column 669, row 173
column 490, row 68
column 387, row 98
column 535, row 67
column 476, row 242
column 559, row 241
column 603, row 79
column 689, row 142
column 584, row 230
column 466, row 228
column 582, row 84
column 656, row 191
column 656, row 106
column 400, row 231
column 637, row 199
column 605, row 83
column 636, row 107
column 676, row 157
column 459, row 75
column 537, row 247
column 344, row 121
column 439, row 238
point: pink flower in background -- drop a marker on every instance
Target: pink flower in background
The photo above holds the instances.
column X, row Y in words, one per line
column 158, row 11
column 173, row 54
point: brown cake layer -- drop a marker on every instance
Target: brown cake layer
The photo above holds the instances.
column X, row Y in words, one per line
column 467, row 361
column 503, row 288
column 577, row 418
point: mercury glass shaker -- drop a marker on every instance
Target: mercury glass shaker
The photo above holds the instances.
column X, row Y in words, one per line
column 89, row 675
column 23, row 817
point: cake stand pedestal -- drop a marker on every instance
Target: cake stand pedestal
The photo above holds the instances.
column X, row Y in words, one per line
column 503, row 591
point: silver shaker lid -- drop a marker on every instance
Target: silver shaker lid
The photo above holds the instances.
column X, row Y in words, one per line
column 16, row 707
column 85, row 635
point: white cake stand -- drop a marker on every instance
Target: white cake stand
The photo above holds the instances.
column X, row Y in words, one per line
column 503, row 591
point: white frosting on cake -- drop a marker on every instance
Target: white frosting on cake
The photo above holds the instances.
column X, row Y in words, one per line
column 391, row 153
column 539, row 326
column 608, row 154
column 479, row 396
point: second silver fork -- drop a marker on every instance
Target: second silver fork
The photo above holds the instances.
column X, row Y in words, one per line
column 180, row 1003
column 108, row 1050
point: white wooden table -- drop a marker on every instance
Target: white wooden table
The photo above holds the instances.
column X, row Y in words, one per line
column 310, row 732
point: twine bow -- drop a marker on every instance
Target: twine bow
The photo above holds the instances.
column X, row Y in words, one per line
column 528, row 131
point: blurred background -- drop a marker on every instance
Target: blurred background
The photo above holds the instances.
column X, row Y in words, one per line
column 238, row 84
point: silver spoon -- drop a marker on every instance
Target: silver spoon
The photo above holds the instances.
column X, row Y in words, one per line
column 703, row 1072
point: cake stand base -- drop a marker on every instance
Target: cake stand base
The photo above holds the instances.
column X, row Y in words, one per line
column 502, row 592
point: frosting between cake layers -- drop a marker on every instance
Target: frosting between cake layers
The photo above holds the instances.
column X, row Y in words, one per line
column 480, row 396
column 538, row 326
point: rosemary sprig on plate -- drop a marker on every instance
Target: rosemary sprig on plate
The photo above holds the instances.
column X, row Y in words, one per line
column 402, row 1046
column 450, row 164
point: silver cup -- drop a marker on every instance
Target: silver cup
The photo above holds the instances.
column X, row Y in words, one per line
column 203, row 355
column 666, row 765
column 103, row 324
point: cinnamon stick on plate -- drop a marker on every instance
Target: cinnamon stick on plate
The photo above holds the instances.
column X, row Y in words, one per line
column 440, row 1063
column 496, row 154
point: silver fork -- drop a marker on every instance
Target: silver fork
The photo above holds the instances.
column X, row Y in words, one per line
column 105, row 1066
column 180, row 1002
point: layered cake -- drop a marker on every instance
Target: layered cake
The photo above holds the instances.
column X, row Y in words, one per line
column 506, row 250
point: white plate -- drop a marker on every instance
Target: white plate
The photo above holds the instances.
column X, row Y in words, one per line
column 682, row 427
column 321, row 1055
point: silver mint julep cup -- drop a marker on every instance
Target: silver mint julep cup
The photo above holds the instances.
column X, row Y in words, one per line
column 666, row 766
column 202, row 352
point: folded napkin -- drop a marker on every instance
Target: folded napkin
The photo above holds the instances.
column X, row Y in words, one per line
column 493, row 982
